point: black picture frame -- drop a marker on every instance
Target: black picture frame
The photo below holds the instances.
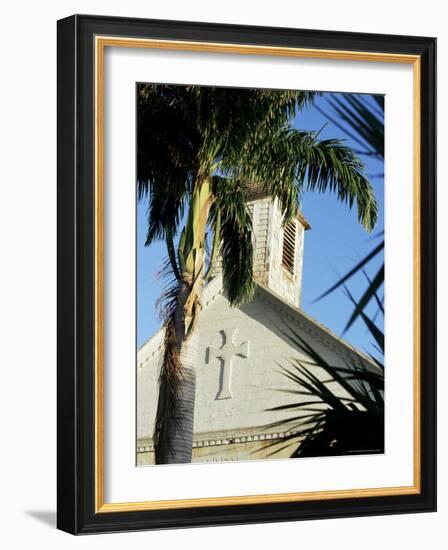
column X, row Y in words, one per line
column 76, row 474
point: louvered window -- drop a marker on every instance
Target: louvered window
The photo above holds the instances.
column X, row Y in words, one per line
column 289, row 247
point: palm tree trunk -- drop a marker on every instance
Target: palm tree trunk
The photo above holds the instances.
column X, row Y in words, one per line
column 175, row 442
column 173, row 434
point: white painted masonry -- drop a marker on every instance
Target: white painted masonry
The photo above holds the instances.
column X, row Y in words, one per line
column 241, row 352
column 268, row 245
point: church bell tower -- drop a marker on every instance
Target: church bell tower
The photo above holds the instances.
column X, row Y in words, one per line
column 278, row 250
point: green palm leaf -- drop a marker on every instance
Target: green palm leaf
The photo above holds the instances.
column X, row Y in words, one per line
column 235, row 232
column 362, row 119
column 333, row 424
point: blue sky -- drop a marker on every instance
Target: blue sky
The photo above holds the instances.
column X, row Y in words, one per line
column 335, row 242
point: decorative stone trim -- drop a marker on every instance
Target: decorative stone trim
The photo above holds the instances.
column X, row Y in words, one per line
column 229, row 441
column 151, row 355
column 146, row 449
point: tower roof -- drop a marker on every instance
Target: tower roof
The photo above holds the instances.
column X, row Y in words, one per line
column 254, row 191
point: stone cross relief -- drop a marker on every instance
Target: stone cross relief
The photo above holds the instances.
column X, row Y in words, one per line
column 226, row 353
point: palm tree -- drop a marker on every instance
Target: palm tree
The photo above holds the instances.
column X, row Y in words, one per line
column 198, row 148
column 361, row 118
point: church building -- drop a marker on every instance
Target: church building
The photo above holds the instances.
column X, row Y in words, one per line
column 242, row 351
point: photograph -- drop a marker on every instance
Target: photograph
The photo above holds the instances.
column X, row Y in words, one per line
column 246, row 259
column 259, row 274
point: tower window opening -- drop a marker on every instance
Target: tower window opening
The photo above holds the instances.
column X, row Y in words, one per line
column 289, row 247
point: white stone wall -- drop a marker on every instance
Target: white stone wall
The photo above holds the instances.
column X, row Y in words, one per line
column 260, row 211
column 288, row 286
column 256, row 380
column 149, row 360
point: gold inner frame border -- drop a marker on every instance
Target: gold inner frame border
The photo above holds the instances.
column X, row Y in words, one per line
column 101, row 42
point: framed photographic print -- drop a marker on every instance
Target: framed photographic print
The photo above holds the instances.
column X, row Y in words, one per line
column 246, row 274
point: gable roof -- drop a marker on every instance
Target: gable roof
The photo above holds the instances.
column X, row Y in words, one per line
column 289, row 311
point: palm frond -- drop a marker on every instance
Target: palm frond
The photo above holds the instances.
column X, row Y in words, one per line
column 358, row 268
column 286, row 162
column 344, row 413
column 236, row 239
column 369, row 293
column 172, row 253
column 166, row 159
column 377, row 334
column 328, row 165
column 360, row 117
